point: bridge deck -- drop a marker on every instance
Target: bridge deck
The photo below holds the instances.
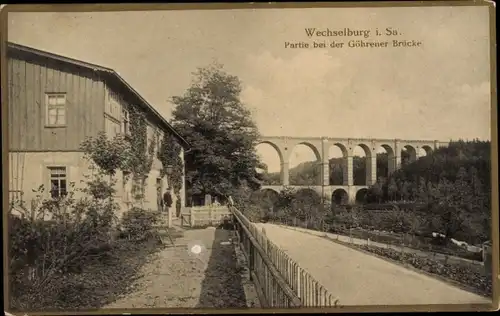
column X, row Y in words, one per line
column 356, row 278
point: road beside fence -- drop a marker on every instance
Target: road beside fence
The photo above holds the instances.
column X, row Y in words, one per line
column 279, row 280
column 468, row 275
column 357, row 278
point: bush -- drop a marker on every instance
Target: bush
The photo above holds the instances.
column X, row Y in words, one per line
column 137, row 224
column 52, row 238
column 460, row 273
column 253, row 212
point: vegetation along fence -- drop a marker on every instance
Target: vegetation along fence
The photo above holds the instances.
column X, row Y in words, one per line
column 279, row 281
column 204, row 216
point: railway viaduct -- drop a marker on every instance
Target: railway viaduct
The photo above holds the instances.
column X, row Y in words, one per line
column 321, row 145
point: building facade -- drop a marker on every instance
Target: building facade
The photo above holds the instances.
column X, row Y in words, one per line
column 54, row 104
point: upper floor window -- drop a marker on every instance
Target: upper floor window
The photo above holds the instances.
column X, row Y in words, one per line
column 56, row 109
column 112, row 128
column 125, row 122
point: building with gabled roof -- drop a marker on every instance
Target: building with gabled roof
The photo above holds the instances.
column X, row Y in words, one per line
column 54, row 103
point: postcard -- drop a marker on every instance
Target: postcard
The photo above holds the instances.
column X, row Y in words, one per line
column 244, row 158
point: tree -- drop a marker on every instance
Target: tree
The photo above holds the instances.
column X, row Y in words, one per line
column 377, row 190
column 432, row 192
column 392, row 189
column 382, row 164
column 221, row 132
column 463, row 191
column 453, row 204
column 423, row 194
column 405, row 190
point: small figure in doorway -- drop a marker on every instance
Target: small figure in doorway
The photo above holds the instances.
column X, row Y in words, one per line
column 159, row 199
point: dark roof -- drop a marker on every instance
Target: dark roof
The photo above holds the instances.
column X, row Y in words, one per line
column 108, row 73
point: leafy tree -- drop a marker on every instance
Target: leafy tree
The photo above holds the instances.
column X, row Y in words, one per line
column 382, row 165
column 108, row 154
column 377, row 191
column 422, row 194
column 336, row 171
column 306, row 173
column 285, row 198
column 271, row 178
column 452, row 208
column 392, row 189
column 359, row 170
column 432, row 192
column 405, row 190
column 221, row 131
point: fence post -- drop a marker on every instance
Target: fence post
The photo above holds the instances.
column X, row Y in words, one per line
column 299, row 275
column 191, row 217
column 317, row 294
column 240, row 232
column 251, row 255
column 210, row 215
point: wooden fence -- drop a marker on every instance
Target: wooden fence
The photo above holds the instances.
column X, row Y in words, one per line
column 204, row 216
column 279, row 281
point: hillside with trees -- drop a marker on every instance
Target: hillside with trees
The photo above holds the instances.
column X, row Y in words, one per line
column 451, row 188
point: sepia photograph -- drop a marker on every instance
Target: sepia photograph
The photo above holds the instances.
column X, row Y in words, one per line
column 249, row 157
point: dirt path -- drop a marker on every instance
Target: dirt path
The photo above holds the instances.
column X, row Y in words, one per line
column 356, row 278
column 177, row 278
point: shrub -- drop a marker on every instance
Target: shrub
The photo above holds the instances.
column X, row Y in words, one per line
column 253, row 212
column 54, row 237
column 137, row 224
column 461, row 273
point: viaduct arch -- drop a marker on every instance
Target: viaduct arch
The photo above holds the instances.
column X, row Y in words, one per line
column 321, row 145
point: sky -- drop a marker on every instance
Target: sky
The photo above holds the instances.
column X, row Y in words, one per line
column 439, row 90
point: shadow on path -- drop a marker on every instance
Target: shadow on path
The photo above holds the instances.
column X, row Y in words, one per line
column 222, row 286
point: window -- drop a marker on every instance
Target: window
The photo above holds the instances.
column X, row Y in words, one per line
column 125, row 122
column 58, row 183
column 56, row 109
column 112, row 128
column 138, row 188
column 113, row 104
column 116, row 130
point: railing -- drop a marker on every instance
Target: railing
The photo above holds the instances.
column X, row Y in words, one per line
column 204, row 216
column 279, row 280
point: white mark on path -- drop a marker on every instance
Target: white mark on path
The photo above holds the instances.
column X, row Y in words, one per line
column 196, row 249
column 225, row 243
